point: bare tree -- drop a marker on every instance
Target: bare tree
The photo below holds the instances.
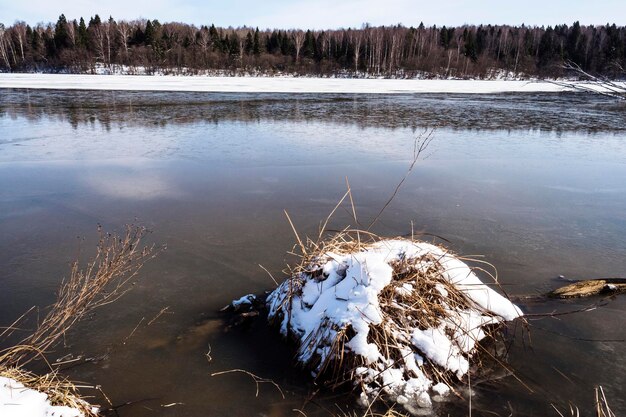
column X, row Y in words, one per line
column 357, row 39
column 124, row 29
column 298, row 40
column 71, row 33
column 4, row 47
column 99, row 43
column 19, row 29
column 204, row 41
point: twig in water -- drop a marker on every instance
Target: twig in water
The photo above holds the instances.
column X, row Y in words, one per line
column 163, row 311
column 134, row 330
column 269, row 273
column 574, row 412
column 602, row 405
column 418, row 148
column 171, row 405
column 257, row 380
column 208, row 355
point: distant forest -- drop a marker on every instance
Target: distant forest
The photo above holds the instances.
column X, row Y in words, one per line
column 148, row 46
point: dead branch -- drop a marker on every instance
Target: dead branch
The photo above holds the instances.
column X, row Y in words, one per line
column 257, row 380
column 592, row 83
column 420, row 145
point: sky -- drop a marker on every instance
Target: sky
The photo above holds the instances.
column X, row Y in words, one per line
column 324, row 14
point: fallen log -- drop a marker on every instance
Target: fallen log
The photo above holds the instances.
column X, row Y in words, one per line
column 591, row 287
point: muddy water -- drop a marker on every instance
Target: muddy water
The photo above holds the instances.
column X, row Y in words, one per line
column 535, row 182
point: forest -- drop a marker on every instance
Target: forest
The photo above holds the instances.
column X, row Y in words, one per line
column 146, row 46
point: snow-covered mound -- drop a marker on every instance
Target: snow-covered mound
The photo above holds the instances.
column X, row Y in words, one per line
column 19, row 401
column 400, row 318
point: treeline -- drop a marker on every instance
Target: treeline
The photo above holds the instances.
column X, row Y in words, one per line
column 392, row 51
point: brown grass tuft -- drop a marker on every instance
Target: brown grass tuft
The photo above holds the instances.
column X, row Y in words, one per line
column 105, row 279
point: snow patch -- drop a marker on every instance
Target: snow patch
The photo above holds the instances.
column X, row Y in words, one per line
column 19, row 401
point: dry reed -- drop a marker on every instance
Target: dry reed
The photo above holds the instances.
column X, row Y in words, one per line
column 601, row 406
column 104, row 280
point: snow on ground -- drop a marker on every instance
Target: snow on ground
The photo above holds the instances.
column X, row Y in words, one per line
column 346, row 292
column 267, row 84
column 18, row 401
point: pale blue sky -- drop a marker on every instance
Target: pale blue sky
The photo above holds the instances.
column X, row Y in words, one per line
column 324, row 14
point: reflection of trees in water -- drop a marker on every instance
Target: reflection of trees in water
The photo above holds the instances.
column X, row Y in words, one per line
column 475, row 112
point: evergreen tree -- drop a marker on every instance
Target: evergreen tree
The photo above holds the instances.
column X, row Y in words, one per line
column 572, row 49
column 444, row 39
column 273, row 45
column 83, row 35
column 95, row 21
column 309, row 45
column 256, row 45
column 319, row 52
column 249, row 44
column 138, row 38
column 546, row 50
column 481, row 40
column 215, row 36
column 469, row 47
column 285, row 43
column 35, row 41
column 60, row 33
column 528, row 43
column 233, row 44
column 613, row 48
column 149, row 33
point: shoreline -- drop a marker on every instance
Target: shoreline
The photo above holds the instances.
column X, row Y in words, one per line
column 231, row 84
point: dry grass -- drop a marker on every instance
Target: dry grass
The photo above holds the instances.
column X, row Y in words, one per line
column 601, row 407
column 105, row 279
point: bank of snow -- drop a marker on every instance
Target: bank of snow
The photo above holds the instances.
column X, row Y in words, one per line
column 19, row 401
column 401, row 318
column 268, row 84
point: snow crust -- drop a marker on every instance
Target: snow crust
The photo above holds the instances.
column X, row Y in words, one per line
column 18, row 401
column 347, row 293
column 229, row 84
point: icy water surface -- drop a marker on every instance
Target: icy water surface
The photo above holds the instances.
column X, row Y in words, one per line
column 534, row 182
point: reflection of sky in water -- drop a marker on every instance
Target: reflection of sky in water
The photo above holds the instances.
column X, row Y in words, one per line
column 130, row 179
column 537, row 203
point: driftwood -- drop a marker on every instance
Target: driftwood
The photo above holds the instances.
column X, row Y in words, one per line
column 588, row 288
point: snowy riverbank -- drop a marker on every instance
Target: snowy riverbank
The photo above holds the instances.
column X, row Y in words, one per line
column 268, row 84
column 19, row 401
